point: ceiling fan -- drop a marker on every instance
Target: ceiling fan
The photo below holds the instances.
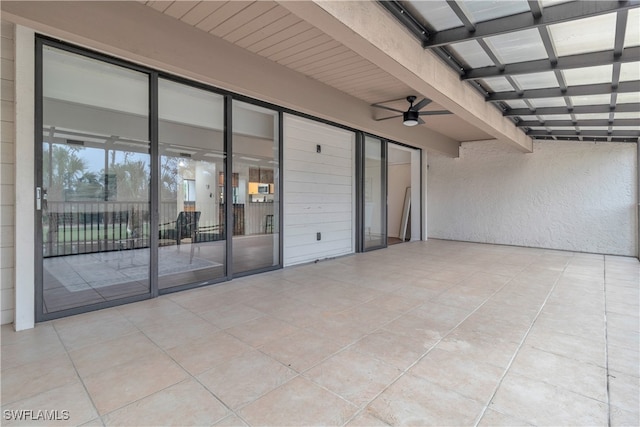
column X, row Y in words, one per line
column 411, row 117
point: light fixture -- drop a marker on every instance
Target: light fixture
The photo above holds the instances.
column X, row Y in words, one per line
column 410, row 118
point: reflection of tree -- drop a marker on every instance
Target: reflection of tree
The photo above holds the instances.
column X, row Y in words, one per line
column 89, row 187
column 168, row 178
column 133, row 179
column 62, row 168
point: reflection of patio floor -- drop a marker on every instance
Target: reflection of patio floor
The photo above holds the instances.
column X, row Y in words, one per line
column 99, row 270
column 79, row 280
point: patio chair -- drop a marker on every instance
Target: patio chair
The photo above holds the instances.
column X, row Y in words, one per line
column 186, row 225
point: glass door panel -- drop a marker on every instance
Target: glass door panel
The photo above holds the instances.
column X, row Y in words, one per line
column 375, row 196
column 94, row 175
column 191, row 245
column 256, row 199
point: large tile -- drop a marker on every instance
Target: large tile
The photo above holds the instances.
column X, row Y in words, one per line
column 98, row 357
column 391, row 348
column 443, row 317
column 260, row 331
column 622, row 338
column 124, row 384
column 68, row 405
column 624, row 391
column 338, row 328
column 579, row 348
column 231, row 421
column 464, row 374
column 32, row 348
column 354, row 376
column 145, row 314
column 494, row 350
column 415, row 401
column 301, row 350
column 624, row 360
column 366, row 419
column 395, row 303
column 79, row 331
column 298, row 403
column 493, row 418
column 541, row 403
column 173, row 331
column 37, row 377
column 228, row 317
column 423, row 332
column 242, row 379
column 202, row 353
column 185, row 403
column 565, row 372
column 620, row 417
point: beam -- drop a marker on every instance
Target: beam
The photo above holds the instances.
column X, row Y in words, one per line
column 582, row 90
column 602, row 122
column 135, row 32
column 395, row 50
column 581, row 109
column 586, row 133
column 584, row 139
column 630, row 54
column 551, row 15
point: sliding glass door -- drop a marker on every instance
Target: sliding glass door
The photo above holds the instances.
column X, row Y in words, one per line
column 136, row 192
column 256, row 198
column 374, row 206
column 93, row 182
column 191, row 235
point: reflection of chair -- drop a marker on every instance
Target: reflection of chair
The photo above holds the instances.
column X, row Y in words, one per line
column 186, row 225
column 268, row 224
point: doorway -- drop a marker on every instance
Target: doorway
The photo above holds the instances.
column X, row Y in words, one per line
column 403, row 194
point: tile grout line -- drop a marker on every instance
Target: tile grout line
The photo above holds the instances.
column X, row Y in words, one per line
column 189, row 375
column 84, row 386
column 406, row 370
column 606, row 339
column 520, row 345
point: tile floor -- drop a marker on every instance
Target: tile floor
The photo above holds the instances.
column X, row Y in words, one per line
column 425, row 333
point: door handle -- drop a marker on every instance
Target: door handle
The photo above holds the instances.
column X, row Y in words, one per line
column 38, row 198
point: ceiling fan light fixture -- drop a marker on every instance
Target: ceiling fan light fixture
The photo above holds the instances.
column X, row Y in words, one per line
column 410, row 118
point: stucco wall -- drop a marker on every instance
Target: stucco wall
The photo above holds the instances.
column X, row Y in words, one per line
column 565, row 195
column 7, row 175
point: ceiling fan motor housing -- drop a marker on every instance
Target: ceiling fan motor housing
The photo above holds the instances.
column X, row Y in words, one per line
column 410, row 117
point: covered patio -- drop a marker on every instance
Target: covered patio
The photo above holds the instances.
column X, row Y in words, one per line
column 423, row 333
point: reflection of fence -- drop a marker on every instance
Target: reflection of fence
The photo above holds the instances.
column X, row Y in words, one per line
column 86, row 227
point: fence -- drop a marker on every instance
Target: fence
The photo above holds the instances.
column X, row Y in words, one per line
column 71, row 228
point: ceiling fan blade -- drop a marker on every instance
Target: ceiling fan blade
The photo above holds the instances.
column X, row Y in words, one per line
column 434, row 113
column 387, row 118
column 384, row 107
column 420, row 105
column 420, row 121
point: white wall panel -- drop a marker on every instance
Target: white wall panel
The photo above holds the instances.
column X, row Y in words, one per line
column 565, row 195
column 319, row 192
column 7, row 176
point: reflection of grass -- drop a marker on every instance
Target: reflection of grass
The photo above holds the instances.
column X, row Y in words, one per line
column 80, row 233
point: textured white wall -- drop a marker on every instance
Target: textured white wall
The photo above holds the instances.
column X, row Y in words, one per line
column 565, row 195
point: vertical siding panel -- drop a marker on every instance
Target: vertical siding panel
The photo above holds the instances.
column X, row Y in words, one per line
column 318, row 191
column 7, row 175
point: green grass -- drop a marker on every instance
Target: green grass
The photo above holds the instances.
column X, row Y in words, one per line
column 80, row 233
